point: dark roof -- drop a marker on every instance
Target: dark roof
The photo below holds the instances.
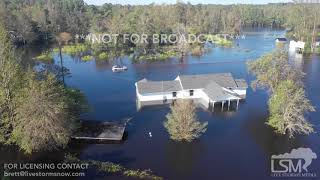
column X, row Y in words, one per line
column 281, row 39
column 241, row 83
column 145, row 86
column 201, row 81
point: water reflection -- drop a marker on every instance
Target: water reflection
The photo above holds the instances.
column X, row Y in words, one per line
column 181, row 157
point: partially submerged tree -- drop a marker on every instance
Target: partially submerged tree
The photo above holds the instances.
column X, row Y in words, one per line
column 273, row 68
column 288, row 106
column 182, row 123
column 62, row 38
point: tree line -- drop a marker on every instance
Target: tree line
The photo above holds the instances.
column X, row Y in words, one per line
column 38, row 20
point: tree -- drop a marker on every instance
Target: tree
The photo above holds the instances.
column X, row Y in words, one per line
column 10, row 84
column 288, row 106
column 288, row 103
column 182, row 123
column 43, row 121
column 273, row 68
column 36, row 112
column 62, row 38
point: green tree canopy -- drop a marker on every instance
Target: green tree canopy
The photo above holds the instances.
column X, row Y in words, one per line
column 273, row 68
column 288, row 106
column 288, row 103
column 182, row 123
column 36, row 112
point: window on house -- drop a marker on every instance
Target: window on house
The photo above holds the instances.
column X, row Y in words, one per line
column 191, row 92
column 174, row 94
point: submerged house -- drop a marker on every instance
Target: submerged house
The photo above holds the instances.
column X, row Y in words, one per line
column 205, row 89
column 296, row 46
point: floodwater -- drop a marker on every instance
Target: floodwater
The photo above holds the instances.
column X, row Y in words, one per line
column 237, row 144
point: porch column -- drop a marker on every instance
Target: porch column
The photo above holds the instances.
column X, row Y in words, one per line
column 229, row 105
column 237, row 104
column 222, row 105
column 213, row 106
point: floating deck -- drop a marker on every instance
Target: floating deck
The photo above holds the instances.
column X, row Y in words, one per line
column 92, row 130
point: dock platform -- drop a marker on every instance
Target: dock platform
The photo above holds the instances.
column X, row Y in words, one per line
column 93, row 130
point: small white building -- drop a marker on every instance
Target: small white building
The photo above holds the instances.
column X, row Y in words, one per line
column 296, row 46
column 207, row 89
column 317, row 42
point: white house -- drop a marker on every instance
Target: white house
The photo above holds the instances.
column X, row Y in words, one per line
column 207, row 89
column 296, row 46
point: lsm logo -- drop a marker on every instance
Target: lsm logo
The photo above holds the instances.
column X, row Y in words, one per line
column 293, row 164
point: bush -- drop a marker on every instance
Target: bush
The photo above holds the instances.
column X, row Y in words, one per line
column 196, row 51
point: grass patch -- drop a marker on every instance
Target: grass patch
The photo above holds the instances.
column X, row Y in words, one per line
column 75, row 48
column 45, row 57
column 87, row 58
column 103, row 56
column 219, row 40
column 158, row 56
column 109, row 167
column 141, row 174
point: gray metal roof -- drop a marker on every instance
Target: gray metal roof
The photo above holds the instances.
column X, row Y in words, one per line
column 241, row 83
column 201, row 81
column 215, row 92
column 145, row 86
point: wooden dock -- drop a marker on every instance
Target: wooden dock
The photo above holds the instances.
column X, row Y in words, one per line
column 93, row 130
